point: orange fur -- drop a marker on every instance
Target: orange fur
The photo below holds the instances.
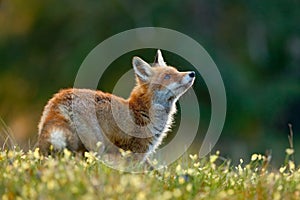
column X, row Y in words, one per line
column 68, row 120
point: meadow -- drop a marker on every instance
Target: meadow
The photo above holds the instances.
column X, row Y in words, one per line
column 67, row 176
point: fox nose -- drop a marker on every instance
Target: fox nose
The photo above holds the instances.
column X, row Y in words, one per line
column 192, row 74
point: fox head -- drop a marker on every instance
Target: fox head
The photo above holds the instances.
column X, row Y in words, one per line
column 164, row 84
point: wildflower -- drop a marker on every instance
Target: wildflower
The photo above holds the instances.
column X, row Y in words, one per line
column 10, row 154
column 189, row 187
column 232, row 182
column 276, row 196
column 178, row 169
column 91, row 156
column 230, row 192
column 289, row 151
column 271, row 177
column 119, row 189
column 197, row 164
column 67, row 153
column 86, row 154
column 181, row 180
column 141, row 195
column 167, row 195
column 282, row 169
column 240, row 169
column 5, row 197
column 213, row 158
column 25, row 165
column 74, row 189
column 23, row 157
column 254, row 157
column 167, row 174
column 222, row 195
column 98, row 144
column 194, row 157
column 124, row 153
column 259, row 157
column 51, row 184
column 124, row 181
column 136, row 181
column 190, row 171
column 109, row 190
column 177, row 193
column 291, row 165
column 36, row 153
column 154, row 162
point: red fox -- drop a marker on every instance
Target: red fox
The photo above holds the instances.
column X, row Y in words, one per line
column 77, row 119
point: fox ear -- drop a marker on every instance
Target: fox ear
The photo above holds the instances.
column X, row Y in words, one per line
column 142, row 69
column 159, row 59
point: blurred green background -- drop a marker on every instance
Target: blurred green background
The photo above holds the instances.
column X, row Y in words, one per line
column 255, row 44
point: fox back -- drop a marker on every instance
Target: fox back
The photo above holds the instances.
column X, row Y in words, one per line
column 78, row 119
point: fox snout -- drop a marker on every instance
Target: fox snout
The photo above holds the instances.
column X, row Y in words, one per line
column 189, row 78
column 192, row 74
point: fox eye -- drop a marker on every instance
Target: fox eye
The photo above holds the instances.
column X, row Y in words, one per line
column 168, row 76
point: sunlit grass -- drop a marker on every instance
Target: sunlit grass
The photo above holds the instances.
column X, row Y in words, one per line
column 67, row 176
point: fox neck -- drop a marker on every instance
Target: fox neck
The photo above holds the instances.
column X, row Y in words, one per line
column 148, row 111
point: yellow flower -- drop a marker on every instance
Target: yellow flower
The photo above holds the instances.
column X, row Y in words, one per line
column 51, row 185
column 276, row 196
column 98, row 144
column 10, row 154
column 167, row 195
column 197, row 164
column 119, row 189
column 167, row 174
column 67, row 153
column 136, row 181
column 213, row 158
column 141, row 195
column 91, row 156
column 190, row 171
column 189, row 187
column 36, row 153
column 177, row 193
column 194, row 157
column 282, row 169
column 5, row 197
column 178, row 169
column 124, row 181
column 254, row 157
column 154, row 162
column 291, row 165
column 181, row 180
column 259, row 157
column 124, row 153
column 230, row 192
column 289, row 151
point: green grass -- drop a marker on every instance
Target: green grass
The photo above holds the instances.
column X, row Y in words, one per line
column 32, row 176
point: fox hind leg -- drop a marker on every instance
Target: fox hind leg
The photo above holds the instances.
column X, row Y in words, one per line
column 59, row 137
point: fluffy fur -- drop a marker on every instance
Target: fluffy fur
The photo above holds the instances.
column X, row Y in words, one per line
column 79, row 118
